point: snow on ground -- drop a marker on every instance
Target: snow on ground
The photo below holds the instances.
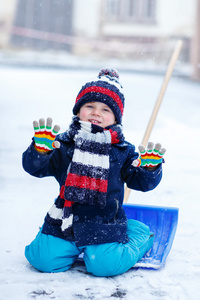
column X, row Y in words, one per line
column 27, row 95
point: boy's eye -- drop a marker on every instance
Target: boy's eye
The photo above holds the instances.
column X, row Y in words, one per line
column 106, row 109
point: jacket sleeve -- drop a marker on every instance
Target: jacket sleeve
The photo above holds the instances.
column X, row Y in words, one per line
column 140, row 178
column 38, row 164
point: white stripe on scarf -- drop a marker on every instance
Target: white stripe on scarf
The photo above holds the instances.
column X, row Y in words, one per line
column 94, row 160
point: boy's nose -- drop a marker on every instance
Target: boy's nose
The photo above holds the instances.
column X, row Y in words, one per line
column 96, row 111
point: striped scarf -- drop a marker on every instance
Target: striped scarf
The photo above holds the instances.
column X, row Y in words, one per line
column 87, row 176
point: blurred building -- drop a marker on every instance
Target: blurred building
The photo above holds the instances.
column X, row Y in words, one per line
column 111, row 28
column 41, row 24
column 7, row 14
column 195, row 56
column 142, row 27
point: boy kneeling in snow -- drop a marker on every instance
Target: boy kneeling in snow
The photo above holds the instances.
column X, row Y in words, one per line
column 91, row 162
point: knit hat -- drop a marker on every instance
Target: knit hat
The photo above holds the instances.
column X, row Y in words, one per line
column 106, row 89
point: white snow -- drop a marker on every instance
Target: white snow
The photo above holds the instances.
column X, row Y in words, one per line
column 29, row 94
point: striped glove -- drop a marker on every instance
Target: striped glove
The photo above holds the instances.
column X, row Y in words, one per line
column 44, row 136
column 150, row 157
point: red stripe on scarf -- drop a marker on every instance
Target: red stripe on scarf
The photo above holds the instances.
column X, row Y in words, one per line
column 99, row 89
column 62, row 192
column 67, row 202
column 99, row 185
column 114, row 136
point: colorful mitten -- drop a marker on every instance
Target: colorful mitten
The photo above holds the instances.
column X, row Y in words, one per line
column 44, row 136
column 150, row 157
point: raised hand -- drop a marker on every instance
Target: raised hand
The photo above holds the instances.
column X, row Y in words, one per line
column 150, row 157
column 44, row 136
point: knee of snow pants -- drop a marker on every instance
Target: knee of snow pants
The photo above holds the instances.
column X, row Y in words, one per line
column 51, row 254
column 116, row 258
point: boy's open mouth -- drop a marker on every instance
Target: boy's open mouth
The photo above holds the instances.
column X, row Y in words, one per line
column 94, row 121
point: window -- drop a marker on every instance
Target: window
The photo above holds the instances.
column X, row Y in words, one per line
column 113, row 8
column 149, row 9
column 132, row 8
column 138, row 11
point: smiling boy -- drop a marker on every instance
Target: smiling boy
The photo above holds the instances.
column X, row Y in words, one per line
column 91, row 161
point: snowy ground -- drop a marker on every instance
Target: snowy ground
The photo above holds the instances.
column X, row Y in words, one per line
column 28, row 94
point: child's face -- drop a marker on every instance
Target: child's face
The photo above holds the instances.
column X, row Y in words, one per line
column 97, row 113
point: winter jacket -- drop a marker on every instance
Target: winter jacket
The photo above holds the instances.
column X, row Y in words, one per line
column 92, row 224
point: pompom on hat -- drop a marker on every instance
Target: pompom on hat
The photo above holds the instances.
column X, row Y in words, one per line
column 106, row 89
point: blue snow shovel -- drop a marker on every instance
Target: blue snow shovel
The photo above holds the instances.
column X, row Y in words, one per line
column 161, row 220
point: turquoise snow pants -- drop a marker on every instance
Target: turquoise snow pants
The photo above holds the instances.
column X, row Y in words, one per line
column 51, row 254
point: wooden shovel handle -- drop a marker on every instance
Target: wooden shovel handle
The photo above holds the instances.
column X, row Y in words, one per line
column 154, row 114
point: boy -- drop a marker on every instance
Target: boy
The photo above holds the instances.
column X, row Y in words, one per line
column 91, row 162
